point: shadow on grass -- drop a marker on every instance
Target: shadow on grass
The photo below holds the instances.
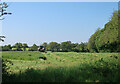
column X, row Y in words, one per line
column 78, row 73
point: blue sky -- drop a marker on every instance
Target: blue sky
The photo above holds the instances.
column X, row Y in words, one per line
column 38, row 22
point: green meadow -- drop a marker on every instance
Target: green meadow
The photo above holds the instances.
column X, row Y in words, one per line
column 30, row 66
column 96, row 60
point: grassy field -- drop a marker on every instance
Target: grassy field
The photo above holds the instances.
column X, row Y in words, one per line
column 31, row 66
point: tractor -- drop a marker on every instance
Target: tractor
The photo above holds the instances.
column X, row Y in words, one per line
column 41, row 49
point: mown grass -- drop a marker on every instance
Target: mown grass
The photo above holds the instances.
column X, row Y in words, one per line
column 63, row 67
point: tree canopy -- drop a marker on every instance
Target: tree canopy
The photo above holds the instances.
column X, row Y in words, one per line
column 106, row 39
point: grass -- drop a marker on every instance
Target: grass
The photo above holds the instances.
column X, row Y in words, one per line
column 63, row 67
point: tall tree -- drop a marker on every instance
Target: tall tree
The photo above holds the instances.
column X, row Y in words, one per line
column 24, row 45
column 53, row 46
column 18, row 46
column 34, row 47
column 107, row 39
column 91, row 43
column 66, row 46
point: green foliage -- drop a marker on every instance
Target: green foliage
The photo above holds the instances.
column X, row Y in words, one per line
column 66, row 46
column 18, row 46
column 106, row 39
column 53, row 46
column 24, row 46
column 6, row 69
column 82, row 47
column 6, row 48
column 33, row 48
column 91, row 44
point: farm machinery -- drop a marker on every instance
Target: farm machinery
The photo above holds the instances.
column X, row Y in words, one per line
column 41, row 49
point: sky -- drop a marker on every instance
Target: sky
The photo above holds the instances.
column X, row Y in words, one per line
column 38, row 22
column 60, row 0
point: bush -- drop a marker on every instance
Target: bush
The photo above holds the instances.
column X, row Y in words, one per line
column 6, row 69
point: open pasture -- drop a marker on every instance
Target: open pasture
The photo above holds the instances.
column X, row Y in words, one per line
column 30, row 66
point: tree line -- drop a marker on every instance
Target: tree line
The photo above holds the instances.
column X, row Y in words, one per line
column 67, row 46
column 106, row 39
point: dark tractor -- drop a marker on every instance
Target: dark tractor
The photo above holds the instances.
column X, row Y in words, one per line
column 41, row 49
